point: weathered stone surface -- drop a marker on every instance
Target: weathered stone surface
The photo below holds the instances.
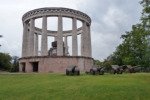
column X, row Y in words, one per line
column 44, row 37
column 31, row 38
column 30, row 52
column 74, row 37
column 56, row 64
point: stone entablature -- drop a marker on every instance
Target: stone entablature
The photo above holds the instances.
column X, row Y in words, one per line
column 53, row 11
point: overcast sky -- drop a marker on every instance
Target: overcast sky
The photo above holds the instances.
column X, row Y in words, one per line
column 110, row 19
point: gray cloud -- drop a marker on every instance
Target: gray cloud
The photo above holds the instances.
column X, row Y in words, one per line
column 110, row 19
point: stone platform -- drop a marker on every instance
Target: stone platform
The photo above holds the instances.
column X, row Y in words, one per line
column 57, row 64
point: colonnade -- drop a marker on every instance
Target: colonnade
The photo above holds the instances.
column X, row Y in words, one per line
column 30, row 37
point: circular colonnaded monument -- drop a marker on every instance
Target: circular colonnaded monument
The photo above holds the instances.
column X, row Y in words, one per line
column 56, row 59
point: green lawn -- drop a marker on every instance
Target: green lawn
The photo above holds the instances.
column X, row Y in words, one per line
column 83, row 87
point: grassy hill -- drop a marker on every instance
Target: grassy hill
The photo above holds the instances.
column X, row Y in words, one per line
column 83, row 87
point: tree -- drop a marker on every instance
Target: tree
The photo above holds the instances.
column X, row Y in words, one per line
column 97, row 63
column 107, row 64
column 15, row 64
column 146, row 14
column 146, row 25
column 5, row 61
column 134, row 46
column 135, row 49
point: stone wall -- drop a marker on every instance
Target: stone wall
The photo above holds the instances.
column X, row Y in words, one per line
column 56, row 64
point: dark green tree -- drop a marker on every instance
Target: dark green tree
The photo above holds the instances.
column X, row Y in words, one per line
column 146, row 14
column 97, row 63
column 5, row 61
column 15, row 64
column 134, row 46
column 146, row 25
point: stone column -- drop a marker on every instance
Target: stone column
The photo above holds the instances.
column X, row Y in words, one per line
column 31, row 38
column 66, row 46
column 55, row 38
column 44, row 50
column 86, row 41
column 36, row 45
column 20, row 67
column 83, row 39
column 29, row 67
column 25, row 41
column 28, row 32
column 74, row 37
column 60, row 37
column 89, row 42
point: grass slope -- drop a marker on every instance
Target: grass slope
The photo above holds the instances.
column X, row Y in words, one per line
column 84, row 87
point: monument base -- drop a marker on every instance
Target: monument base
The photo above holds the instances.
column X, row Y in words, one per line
column 56, row 64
